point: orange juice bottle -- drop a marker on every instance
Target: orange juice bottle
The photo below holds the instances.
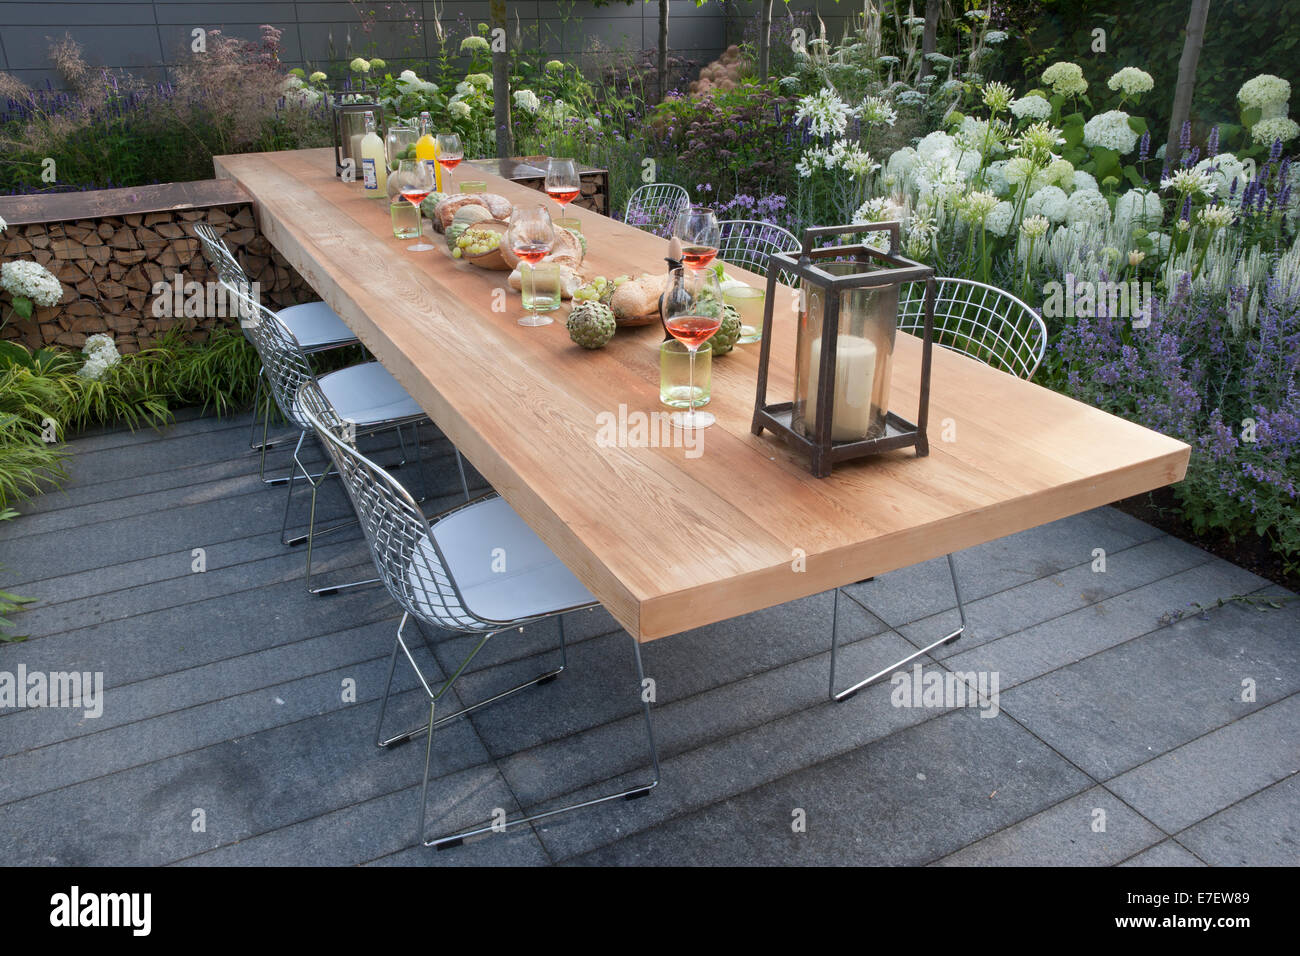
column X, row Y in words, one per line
column 426, row 149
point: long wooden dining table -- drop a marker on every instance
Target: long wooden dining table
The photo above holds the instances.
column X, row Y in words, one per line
column 668, row 540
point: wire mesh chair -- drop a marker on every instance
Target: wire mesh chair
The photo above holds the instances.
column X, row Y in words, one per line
column 315, row 325
column 442, row 573
column 749, row 243
column 991, row 326
column 364, row 396
column 654, row 207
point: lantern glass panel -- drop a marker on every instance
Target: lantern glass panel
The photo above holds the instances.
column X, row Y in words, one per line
column 864, row 331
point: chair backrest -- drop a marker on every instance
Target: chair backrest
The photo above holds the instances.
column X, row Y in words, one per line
column 654, row 207
column 284, row 364
column 749, row 242
column 219, row 255
column 406, row 555
column 984, row 322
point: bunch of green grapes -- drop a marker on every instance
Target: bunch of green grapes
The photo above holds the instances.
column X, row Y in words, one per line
column 598, row 289
column 476, row 242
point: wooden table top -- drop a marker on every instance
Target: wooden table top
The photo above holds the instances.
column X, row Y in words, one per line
column 666, row 542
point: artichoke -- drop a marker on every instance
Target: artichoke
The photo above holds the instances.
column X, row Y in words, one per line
column 591, row 324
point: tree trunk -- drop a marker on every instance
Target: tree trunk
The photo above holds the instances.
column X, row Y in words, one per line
column 930, row 38
column 663, row 49
column 1200, row 12
column 765, row 41
column 501, row 83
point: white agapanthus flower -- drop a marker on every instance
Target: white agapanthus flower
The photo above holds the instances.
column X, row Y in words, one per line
column 1031, row 107
column 1264, row 90
column 1217, row 216
column 1082, row 180
column 878, row 111
column 1110, row 130
column 1065, row 78
column 1051, row 202
column 1268, row 131
column 1034, row 227
column 32, row 281
column 1139, row 208
column 826, row 113
column 1189, row 182
column 1131, row 81
column 1000, row 218
column 1088, row 205
column 527, row 100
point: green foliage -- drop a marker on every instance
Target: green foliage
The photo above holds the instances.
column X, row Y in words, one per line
column 9, row 603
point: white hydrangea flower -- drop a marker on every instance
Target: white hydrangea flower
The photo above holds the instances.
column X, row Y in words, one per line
column 318, row 77
column 1088, row 205
column 101, row 355
column 554, row 66
column 1139, row 208
column 1223, row 170
column 1060, row 172
column 1082, row 180
column 901, row 162
column 826, row 113
column 973, row 132
column 995, row 37
column 1268, row 131
column 360, row 65
column 482, row 80
column 936, row 144
column 1066, row 79
column 996, row 176
column 1110, row 130
column 100, row 342
column 1131, row 81
column 31, row 280
column 1000, row 219
column 459, row 109
column 1264, row 90
column 475, row 44
column 527, row 100
column 1051, row 202
column 1032, row 107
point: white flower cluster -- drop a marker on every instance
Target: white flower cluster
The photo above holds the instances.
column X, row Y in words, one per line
column 826, row 113
column 3, row 225
column 1110, row 130
column 1225, row 169
column 1088, row 205
column 1268, row 131
column 1131, row 81
column 527, row 101
column 842, row 154
column 1066, row 79
column 995, row 37
column 1000, row 218
column 101, row 355
column 877, row 110
column 1051, row 202
column 1263, row 91
column 32, row 281
column 1139, row 208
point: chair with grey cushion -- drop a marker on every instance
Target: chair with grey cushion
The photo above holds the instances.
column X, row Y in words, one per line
column 315, row 326
column 475, row 569
column 991, row 326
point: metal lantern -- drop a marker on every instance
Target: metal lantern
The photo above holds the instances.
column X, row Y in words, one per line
column 848, row 318
column 349, row 126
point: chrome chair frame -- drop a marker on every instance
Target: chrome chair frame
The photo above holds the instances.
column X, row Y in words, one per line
column 748, row 243
column 232, row 275
column 991, row 326
column 415, row 571
column 657, row 204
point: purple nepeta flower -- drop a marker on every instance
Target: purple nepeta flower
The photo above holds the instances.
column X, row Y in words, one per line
column 1212, row 146
column 1144, row 147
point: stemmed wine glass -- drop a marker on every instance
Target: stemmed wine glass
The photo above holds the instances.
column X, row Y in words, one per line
column 697, row 228
column 415, row 182
column 450, row 153
column 692, row 314
column 530, row 237
column 562, row 183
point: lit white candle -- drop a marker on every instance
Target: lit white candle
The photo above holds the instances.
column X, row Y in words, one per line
column 855, row 375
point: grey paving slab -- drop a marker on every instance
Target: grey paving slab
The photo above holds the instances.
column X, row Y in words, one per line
column 1022, row 656
column 1168, row 853
column 913, row 593
column 1048, row 598
column 1132, row 703
column 1092, row 829
column 1262, row 830
column 1215, row 771
column 909, row 799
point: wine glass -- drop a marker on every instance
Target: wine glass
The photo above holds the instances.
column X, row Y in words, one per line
column 697, row 228
column 450, row 153
column 530, row 237
column 692, row 313
column 414, row 183
column 562, row 183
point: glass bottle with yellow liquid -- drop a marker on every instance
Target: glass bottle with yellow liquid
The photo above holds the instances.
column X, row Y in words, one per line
column 426, row 149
